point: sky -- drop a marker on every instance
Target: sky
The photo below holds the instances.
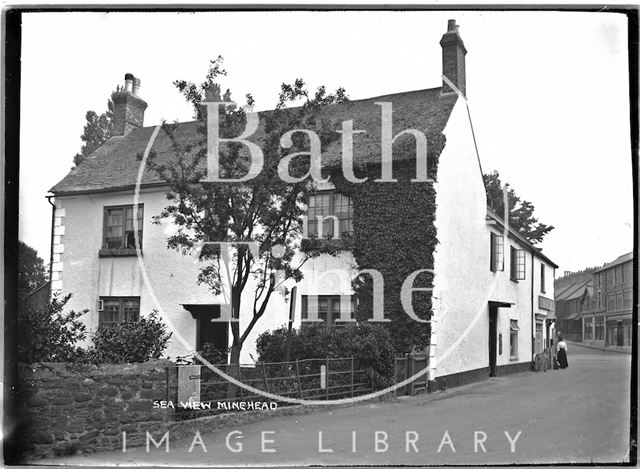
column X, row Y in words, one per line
column 548, row 94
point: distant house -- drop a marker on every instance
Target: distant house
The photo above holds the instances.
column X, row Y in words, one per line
column 573, row 299
column 609, row 321
column 493, row 290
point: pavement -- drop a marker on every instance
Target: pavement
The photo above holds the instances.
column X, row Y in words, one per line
column 576, row 415
column 615, row 349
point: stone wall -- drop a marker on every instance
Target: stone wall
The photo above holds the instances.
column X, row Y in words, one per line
column 71, row 408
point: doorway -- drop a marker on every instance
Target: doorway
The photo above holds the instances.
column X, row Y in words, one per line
column 493, row 338
column 620, row 334
column 213, row 333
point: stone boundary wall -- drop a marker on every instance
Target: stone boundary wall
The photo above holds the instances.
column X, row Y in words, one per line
column 71, row 409
column 74, row 408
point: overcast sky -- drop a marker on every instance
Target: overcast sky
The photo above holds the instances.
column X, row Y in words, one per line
column 548, row 94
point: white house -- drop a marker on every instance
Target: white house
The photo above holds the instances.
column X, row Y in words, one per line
column 492, row 288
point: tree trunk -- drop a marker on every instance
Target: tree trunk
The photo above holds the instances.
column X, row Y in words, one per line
column 234, row 369
column 236, row 346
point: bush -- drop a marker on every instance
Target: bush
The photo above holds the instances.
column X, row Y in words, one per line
column 130, row 342
column 369, row 344
column 46, row 334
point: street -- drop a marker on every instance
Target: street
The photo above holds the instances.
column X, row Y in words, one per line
column 576, row 415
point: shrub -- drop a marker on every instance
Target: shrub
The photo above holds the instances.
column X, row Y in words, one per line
column 130, row 342
column 369, row 344
column 46, row 334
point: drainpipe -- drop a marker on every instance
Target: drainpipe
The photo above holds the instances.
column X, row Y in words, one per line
column 53, row 217
column 533, row 316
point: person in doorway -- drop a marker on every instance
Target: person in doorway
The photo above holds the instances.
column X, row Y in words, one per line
column 562, row 354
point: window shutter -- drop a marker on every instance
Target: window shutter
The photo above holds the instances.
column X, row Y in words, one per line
column 493, row 253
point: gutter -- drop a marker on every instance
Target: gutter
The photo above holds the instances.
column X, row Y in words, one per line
column 53, row 217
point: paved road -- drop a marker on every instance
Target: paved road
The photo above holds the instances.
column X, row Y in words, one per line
column 580, row 414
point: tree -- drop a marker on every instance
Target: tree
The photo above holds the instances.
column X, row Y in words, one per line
column 265, row 209
column 97, row 130
column 46, row 334
column 32, row 272
column 521, row 216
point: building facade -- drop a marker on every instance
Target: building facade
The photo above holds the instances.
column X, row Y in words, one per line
column 608, row 322
column 493, row 307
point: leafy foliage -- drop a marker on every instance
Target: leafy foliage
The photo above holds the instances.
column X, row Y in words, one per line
column 370, row 345
column 48, row 334
column 265, row 209
column 396, row 238
column 130, row 342
column 97, row 130
column 32, row 272
column 521, row 216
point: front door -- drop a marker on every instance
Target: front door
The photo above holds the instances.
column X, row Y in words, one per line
column 539, row 344
column 620, row 335
column 493, row 334
column 214, row 333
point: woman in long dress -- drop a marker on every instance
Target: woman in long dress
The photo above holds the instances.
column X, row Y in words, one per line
column 562, row 354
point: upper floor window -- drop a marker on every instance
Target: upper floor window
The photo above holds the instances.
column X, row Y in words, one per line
column 542, row 279
column 497, row 252
column 118, row 227
column 116, row 310
column 328, row 307
column 336, row 212
column 517, row 264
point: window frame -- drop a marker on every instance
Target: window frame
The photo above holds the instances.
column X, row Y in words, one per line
column 497, row 252
column 124, row 248
column 587, row 326
column 121, row 310
column 513, row 339
column 518, row 264
column 598, row 328
column 333, row 194
column 542, row 279
column 332, row 314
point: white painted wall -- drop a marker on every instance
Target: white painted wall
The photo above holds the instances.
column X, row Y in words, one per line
column 464, row 282
column 172, row 276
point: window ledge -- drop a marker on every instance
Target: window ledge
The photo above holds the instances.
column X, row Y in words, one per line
column 513, row 359
column 325, row 245
column 120, row 252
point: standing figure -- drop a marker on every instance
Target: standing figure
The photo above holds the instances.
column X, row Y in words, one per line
column 562, row 354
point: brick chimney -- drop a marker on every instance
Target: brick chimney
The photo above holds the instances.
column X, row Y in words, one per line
column 128, row 107
column 453, row 52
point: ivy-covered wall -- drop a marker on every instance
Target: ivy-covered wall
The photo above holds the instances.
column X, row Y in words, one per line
column 395, row 234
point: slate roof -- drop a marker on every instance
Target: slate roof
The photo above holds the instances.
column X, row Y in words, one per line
column 573, row 291
column 620, row 260
column 113, row 166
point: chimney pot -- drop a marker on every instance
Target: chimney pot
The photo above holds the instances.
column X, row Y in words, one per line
column 128, row 82
column 136, row 86
column 451, row 26
column 128, row 108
